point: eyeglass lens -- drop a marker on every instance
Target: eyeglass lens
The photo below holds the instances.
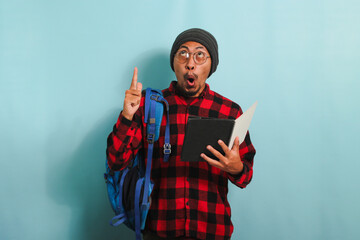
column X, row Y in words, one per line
column 199, row 57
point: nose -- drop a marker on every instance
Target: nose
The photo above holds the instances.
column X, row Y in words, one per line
column 190, row 64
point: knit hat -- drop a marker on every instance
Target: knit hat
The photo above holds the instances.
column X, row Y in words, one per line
column 201, row 36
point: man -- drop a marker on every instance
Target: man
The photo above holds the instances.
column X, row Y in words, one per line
column 189, row 199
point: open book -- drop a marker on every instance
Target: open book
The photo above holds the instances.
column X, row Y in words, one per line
column 201, row 132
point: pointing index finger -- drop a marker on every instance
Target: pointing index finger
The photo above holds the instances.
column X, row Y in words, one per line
column 134, row 79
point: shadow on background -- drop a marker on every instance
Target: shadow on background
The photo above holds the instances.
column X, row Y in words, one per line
column 77, row 181
column 75, row 178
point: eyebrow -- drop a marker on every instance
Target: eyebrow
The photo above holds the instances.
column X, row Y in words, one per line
column 199, row 47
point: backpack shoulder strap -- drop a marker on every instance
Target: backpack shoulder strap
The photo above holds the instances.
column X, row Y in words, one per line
column 154, row 104
column 158, row 110
column 154, row 109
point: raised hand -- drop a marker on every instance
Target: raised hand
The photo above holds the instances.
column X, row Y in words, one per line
column 132, row 97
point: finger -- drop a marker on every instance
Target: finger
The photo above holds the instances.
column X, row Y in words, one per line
column 139, row 87
column 236, row 144
column 135, row 93
column 134, row 79
column 224, row 147
column 133, row 99
column 216, row 153
column 212, row 162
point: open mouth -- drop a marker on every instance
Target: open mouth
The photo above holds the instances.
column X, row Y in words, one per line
column 190, row 79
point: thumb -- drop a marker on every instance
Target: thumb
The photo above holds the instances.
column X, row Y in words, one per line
column 139, row 86
column 236, row 144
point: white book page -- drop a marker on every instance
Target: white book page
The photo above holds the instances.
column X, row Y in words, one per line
column 242, row 124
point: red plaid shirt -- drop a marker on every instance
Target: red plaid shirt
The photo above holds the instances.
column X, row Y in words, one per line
column 189, row 199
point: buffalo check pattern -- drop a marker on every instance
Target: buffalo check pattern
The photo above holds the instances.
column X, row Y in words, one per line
column 189, row 199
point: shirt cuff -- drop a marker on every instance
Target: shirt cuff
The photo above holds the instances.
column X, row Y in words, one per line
column 125, row 126
column 237, row 176
column 124, row 120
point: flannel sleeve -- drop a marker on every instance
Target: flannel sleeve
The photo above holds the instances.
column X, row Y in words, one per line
column 247, row 153
column 124, row 141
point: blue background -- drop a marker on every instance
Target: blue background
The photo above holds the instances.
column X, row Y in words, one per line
column 64, row 68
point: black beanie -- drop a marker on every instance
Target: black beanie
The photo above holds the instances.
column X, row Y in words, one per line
column 201, row 36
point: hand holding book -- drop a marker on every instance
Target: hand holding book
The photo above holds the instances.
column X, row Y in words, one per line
column 204, row 132
column 230, row 162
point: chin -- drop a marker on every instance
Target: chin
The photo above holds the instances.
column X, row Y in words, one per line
column 190, row 94
column 187, row 92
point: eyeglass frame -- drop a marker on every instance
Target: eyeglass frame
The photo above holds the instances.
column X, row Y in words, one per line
column 191, row 53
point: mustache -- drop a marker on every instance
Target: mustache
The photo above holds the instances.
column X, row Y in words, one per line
column 186, row 75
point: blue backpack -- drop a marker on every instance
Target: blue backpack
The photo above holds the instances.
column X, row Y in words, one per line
column 129, row 189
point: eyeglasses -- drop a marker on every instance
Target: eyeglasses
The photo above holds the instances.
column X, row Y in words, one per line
column 183, row 56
